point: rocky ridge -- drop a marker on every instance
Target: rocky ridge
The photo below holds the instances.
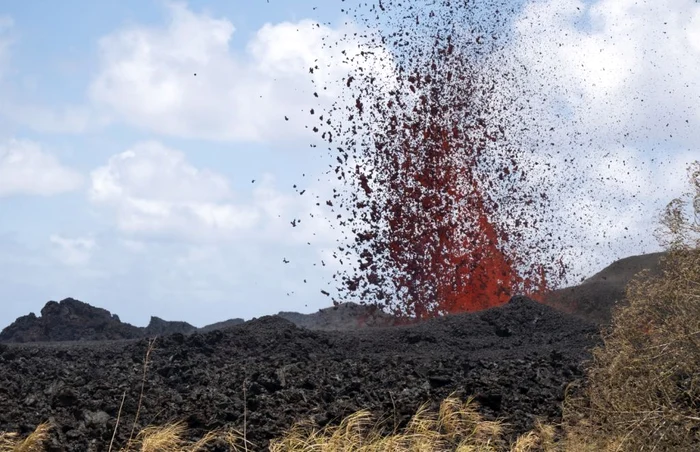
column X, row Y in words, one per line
column 74, row 320
column 597, row 296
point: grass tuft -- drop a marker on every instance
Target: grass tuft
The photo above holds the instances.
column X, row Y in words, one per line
column 172, row 438
column 34, row 442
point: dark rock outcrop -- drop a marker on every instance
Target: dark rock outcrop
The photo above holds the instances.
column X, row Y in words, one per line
column 159, row 327
column 220, row 325
column 69, row 320
column 74, row 320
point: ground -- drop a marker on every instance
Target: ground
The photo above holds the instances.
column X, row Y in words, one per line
column 516, row 359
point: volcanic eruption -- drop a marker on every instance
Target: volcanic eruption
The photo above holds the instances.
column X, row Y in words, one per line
column 434, row 193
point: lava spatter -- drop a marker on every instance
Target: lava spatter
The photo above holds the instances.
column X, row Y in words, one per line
column 431, row 175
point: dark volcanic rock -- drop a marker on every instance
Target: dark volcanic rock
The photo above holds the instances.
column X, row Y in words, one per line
column 515, row 359
column 159, row 327
column 220, row 325
column 69, row 320
column 74, row 320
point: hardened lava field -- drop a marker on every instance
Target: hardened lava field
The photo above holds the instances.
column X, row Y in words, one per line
column 515, row 359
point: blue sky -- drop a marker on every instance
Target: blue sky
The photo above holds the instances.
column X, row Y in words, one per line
column 125, row 181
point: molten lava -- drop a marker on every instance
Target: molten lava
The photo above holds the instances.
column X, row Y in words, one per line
column 440, row 234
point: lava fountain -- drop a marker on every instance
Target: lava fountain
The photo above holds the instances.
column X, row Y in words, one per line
column 431, row 175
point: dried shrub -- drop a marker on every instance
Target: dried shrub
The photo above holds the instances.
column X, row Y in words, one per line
column 34, row 442
column 643, row 385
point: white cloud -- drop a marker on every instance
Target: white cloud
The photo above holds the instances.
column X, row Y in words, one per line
column 147, row 77
column 73, row 251
column 26, row 169
column 153, row 171
column 154, row 191
column 625, row 72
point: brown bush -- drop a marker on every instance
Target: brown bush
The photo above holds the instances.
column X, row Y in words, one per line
column 643, row 385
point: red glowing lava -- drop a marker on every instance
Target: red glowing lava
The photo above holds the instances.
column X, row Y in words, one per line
column 440, row 236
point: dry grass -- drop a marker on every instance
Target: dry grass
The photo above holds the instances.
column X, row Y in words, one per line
column 456, row 427
column 171, row 438
column 146, row 361
column 679, row 222
column 542, row 438
column 34, row 442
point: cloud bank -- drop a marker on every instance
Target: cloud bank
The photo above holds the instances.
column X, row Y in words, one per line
column 184, row 80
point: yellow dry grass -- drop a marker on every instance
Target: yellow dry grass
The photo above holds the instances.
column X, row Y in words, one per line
column 34, row 442
column 171, row 438
column 456, row 427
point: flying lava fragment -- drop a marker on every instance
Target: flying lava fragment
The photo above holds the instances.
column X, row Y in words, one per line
column 432, row 177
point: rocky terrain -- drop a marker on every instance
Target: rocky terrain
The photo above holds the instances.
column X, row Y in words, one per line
column 516, row 359
column 344, row 316
column 74, row 320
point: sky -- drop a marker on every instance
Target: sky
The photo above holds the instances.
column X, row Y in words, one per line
column 130, row 183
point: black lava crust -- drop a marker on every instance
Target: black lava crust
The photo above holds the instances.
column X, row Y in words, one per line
column 516, row 359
